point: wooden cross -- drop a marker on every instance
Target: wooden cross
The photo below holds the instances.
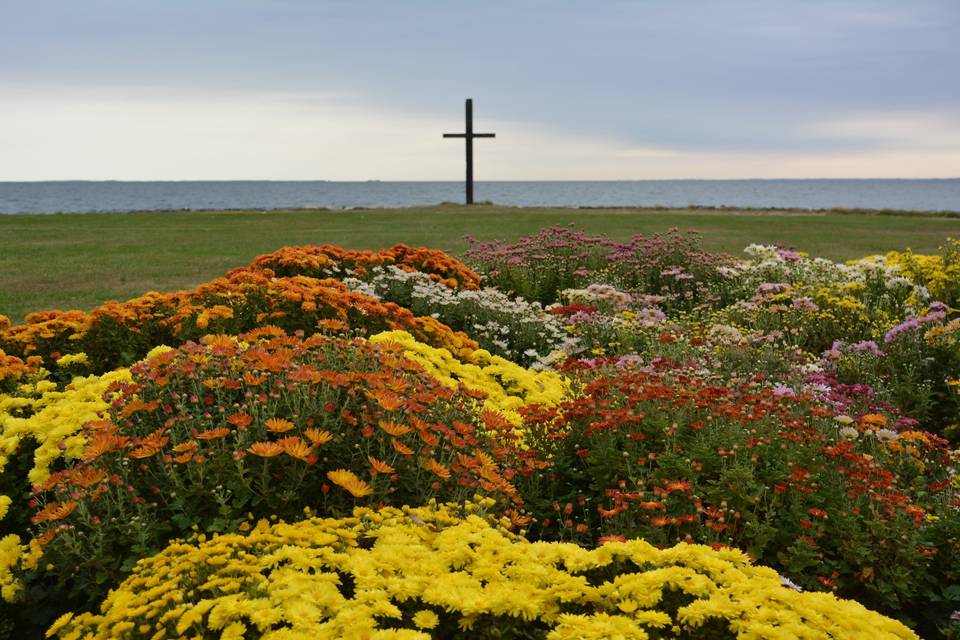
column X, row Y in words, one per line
column 469, row 136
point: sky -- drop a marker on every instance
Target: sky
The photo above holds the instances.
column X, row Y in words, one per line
column 573, row 89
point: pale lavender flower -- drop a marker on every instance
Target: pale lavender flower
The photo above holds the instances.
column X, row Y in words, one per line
column 781, row 390
column 908, row 325
column 789, row 256
column 805, row 304
column 937, row 311
column 868, row 345
column 630, row 360
column 772, row 287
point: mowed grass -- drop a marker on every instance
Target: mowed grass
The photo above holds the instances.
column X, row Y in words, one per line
column 77, row 261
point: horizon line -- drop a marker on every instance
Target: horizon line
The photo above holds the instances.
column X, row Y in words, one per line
column 518, row 180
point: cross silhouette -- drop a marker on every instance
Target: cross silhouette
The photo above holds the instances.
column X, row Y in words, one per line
column 469, row 136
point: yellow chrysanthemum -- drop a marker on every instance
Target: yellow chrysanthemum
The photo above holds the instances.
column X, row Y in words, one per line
column 425, row 619
column 403, row 565
column 507, row 386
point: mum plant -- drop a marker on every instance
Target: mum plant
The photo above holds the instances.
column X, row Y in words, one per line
column 267, row 424
column 449, row 573
column 861, row 505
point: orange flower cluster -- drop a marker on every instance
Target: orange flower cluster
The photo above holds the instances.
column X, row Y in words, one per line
column 267, row 414
column 13, row 370
column 322, row 261
column 46, row 332
column 116, row 332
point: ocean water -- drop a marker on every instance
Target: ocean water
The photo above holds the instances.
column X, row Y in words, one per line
column 84, row 197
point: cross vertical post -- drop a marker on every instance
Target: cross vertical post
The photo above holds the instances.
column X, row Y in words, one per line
column 468, row 136
column 469, row 141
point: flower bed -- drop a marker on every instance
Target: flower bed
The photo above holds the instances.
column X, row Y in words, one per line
column 627, row 397
column 425, row 573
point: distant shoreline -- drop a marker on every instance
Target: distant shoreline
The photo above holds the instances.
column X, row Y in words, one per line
column 478, row 207
column 930, row 196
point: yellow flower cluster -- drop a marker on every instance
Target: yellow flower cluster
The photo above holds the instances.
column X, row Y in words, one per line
column 841, row 303
column 940, row 274
column 53, row 418
column 508, row 385
column 433, row 572
column 72, row 359
column 9, row 555
column 15, row 557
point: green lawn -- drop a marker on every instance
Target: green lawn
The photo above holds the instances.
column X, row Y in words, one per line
column 81, row 260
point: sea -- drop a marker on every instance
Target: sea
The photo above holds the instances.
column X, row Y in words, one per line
column 90, row 197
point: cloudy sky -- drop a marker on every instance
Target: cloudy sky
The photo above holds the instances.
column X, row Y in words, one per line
column 574, row 89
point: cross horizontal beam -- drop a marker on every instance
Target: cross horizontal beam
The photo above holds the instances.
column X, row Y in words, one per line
column 472, row 135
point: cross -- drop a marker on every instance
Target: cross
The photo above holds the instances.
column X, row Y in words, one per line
column 469, row 135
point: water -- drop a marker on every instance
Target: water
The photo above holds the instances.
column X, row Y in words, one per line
column 82, row 197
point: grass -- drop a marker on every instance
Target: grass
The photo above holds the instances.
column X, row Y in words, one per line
column 77, row 261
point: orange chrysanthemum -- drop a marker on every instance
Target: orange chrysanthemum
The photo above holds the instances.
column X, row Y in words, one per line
column 138, row 405
column 144, row 452
column 213, row 434
column 605, row 539
column 401, row 448
column 220, row 343
column 348, row 480
column 151, row 444
column 295, row 447
column 495, row 421
column 55, row 511
column 265, row 449
column 874, row 419
column 318, row 437
column 379, row 466
column 429, row 438
column 186, row 451
column 437, row 468
column 266, row 331
column 278, row 425
column 464, row 428
column 394, row 429
column 485, row 459
column 387, row 399
column 104, row 442
column 240, row 420
column 329, row 324
column 87, row 477
column 252, row 379
column 653, row 504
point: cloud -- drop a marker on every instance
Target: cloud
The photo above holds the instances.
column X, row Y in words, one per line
column 246, row 85
column 897, row 130
column 122, row 134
